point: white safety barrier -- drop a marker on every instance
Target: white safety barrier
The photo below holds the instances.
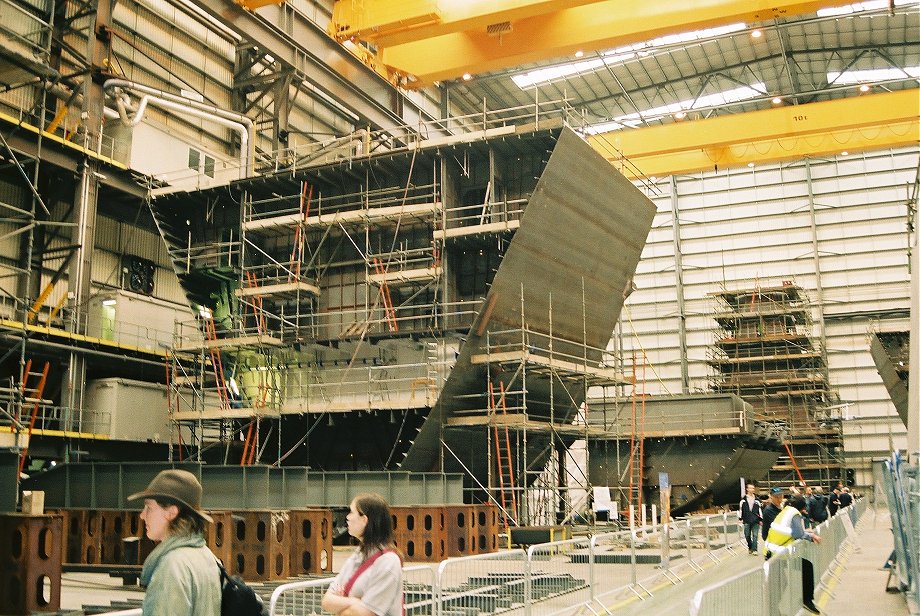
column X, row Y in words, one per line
column 776, row 589
column 548, row 579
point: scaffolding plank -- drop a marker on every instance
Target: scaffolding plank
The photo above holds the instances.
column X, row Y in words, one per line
column 235, row 343
column 518, row 421
column 281, row 289
column 396, row 277
column 374, row 215
column 553, row 363
column 224, row 413
column 418, row 401
column 488, row 228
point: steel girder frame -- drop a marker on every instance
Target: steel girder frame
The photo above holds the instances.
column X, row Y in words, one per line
column 488, row 43
column 106, row 485
column 869, row 122
column 578, row 244
column 301, row 45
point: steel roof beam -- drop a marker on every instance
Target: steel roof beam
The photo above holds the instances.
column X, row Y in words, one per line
column 295, row 41
column 868, row 122
column 590, row 27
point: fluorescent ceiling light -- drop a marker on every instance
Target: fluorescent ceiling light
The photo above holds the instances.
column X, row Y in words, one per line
column 860, row 7
column 618, row 56
column 709, row 100
column 872, row 75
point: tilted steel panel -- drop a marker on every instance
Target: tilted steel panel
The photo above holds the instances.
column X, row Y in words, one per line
column 579, row 242
column 585, row 221
column 896, row 387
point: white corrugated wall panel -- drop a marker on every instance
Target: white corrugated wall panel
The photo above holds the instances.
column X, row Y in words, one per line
column 742, row 226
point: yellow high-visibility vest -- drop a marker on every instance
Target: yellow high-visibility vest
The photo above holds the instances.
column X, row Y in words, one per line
column 779, row 537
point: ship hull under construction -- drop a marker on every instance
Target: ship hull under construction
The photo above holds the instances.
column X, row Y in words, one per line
column 706, row 444
column 440, row 306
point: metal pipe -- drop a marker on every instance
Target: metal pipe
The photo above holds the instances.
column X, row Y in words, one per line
column 159, row 102
column 62, row 93
column 193, row 107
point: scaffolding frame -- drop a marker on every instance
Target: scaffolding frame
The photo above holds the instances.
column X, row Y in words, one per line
column 537, row 383
column 765, row 353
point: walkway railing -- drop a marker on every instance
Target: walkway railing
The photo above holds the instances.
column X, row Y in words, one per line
column 776, row 589
column 902, row 491
column 547, row 579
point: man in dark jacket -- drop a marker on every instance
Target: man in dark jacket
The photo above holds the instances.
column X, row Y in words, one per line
column 817, row 508
column 845, row 498
column 749, row 515
column 770, row 512
column 833, row 503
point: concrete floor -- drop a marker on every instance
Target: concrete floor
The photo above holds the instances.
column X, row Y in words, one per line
column 857, row 590
column 861, row 588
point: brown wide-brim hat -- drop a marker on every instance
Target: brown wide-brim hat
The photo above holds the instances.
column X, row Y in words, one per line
column 177, row 485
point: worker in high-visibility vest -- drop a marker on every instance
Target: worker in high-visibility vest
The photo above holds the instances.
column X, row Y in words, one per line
column 788, row 527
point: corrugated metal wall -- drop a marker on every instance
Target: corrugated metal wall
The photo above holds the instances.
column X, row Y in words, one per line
column 744, row 227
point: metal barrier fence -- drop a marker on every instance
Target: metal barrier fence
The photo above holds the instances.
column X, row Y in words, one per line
column 300, row 598
column 482, row 583
column 560, row 574
column 778, row 584
column 902, row 491
column 736, row 595
column 547, row 579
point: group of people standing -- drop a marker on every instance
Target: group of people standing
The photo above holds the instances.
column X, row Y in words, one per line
column 182, row 576
column 783, row 519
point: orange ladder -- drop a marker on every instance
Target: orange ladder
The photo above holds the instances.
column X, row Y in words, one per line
column 31, row 395
column 503, row 457
column 251, row 444
column 258, row 313
column 386, row 298
column 300, row 235
column 217, row 365
column 637, row 439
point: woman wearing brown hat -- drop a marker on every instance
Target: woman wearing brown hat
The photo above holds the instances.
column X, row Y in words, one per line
column 181, row 573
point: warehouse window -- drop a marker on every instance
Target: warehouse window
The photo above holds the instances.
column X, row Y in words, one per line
column 208, row 166
column 194, row 159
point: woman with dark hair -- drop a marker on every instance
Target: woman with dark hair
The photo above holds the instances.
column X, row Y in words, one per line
column 181, row 573
column 370, row 582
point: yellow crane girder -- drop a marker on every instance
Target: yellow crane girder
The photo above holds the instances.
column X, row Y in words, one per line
column 256, row 4
column 868, row 122
column 394, row 22
column 562, row 31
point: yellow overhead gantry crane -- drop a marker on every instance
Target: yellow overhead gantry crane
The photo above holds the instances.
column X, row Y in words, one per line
column 425, row 41
column 867, row 122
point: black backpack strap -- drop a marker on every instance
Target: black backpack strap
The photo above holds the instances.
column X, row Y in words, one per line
column 223, row 572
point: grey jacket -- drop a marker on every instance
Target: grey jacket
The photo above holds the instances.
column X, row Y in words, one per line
column 182, row 579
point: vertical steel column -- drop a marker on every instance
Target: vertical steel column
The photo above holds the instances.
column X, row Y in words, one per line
column 816, row 256
column 679, row 279
column 913, row 382
column 98, row 51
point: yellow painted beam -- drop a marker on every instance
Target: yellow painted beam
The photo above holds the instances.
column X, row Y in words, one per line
column 590, row 27
column 367, row 20
column 394, row 22
column 868, row 122
column 255, row 4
